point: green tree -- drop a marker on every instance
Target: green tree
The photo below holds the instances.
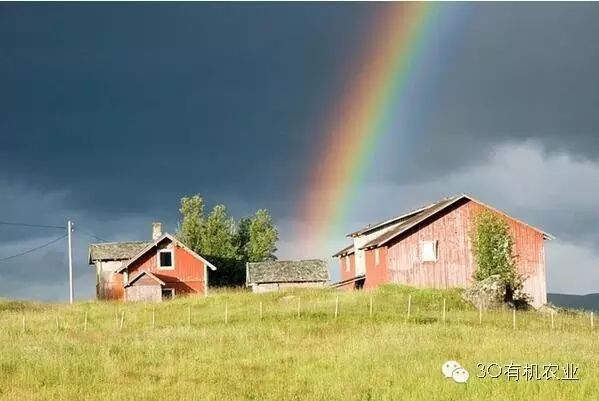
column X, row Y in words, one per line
column 223, row 241
column 262, row 239
column 190, row 227
column 218, row 233
column 493, row 251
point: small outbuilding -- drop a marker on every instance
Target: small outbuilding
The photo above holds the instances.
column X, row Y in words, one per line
column 283, row 274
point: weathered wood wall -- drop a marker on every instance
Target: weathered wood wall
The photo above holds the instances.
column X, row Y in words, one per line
column 455, row 264
column 144, row 293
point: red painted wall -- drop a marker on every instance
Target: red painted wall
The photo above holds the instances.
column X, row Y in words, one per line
column 455, row 263
column 376, row 274
column 186, row 277
column 347, row 267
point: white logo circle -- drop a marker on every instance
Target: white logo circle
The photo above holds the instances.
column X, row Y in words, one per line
column 448, row 368
column 460, row 375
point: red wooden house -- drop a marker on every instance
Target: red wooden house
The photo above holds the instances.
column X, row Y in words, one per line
column 148, row 271
column 431, row 247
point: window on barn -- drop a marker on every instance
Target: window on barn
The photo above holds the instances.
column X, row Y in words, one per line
column 165, row 259
column 347, row 264
column 377, row 257
column 428, row 251
column 168, row 293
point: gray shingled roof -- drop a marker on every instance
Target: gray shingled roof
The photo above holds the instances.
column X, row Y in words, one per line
column 413, row 219
column 348, row 250
column 287, row 271
column 116, row 250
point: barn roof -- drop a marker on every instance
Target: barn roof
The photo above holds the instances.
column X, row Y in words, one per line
column 348, row 250
column 287, row 271
column 413, row 219
column 144, row 273
column 115, row 250
column 151, row 245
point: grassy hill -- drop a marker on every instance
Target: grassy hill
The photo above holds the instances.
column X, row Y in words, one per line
column 184, row 349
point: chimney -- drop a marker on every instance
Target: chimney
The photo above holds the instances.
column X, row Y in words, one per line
column 156, row 230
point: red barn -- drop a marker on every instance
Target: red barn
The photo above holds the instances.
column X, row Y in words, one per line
column 431, row 247
column 148, row 271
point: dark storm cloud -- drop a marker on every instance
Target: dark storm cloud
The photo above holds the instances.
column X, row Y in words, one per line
column 110, row 112
column 516, row 72
column 106, row 100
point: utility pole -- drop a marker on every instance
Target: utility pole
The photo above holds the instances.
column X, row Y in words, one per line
column 70, row 241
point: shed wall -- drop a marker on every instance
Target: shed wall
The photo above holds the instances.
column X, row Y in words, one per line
column 144, row 293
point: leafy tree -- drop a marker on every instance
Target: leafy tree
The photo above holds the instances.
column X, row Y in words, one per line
column 190, row 227
column 263, row 237
column 493, row 251
column 217, row 234
column 227, row 243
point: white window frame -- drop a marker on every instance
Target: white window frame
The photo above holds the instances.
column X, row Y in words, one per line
column 377, row 257
column 172, row 266
column 346, row 262
column 435, row 245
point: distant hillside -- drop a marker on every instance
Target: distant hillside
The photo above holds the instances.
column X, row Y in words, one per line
column 587, row 302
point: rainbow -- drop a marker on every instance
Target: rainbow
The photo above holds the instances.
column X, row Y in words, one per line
column 363, row 117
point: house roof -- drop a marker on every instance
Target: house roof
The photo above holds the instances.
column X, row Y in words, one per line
column 142, row 273
column 287, row 271
column 154, row 243
column 115, row 250
column 386, row 223
column 414, row 219
column 348, row 250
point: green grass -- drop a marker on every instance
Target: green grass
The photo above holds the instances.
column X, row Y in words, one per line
column 283, row 357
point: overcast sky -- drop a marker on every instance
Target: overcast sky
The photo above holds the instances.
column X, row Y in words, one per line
column 109, row 113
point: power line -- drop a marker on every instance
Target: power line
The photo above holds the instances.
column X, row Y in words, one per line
column 8, row 223
column 91, row 235
column 33, row 249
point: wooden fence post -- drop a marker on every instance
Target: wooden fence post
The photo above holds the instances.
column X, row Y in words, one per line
column 188, row 315
column 370, row 309
column 552, row 322
column 409, row 306
column 122, row 320
column 57, row 323
column 443, row 310
column 226, row 313
column 85, row 322
column 592, row 323
column 23, row 322
column 480, row 313
column 153, row 316
column 514, row 318
column 261, row 311
column 299, row 306
column 336, row 307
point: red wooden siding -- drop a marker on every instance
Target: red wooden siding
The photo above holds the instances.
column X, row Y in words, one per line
column 111, row 288
column 455, row 262
column 186, row 277
column 376, row 274
column 347, row 269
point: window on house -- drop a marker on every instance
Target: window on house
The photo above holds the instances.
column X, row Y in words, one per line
column 428, row 251
column 168, row 293
column 377, row 257
column 165, row 259
column 347, row 264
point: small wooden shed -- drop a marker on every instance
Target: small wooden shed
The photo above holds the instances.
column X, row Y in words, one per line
column 145, row 287
column 282, row 274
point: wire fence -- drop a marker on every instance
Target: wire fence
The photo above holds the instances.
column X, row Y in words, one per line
column 194, row 313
